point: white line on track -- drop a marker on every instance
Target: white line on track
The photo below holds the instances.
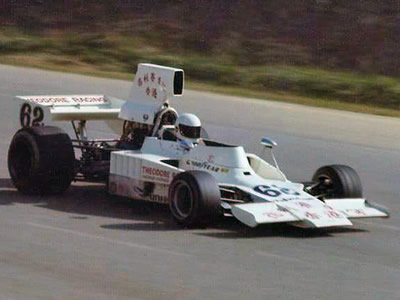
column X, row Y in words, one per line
column 102, row 238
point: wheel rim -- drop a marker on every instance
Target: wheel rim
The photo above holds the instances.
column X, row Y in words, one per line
column 328, row 189
column 182, row 200
column 324, row 178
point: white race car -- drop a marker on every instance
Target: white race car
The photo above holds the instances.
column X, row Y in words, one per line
column 165, row 158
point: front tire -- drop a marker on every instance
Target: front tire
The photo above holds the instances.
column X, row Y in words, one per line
column 41, row 160
column 194, row 198
column 338, row 181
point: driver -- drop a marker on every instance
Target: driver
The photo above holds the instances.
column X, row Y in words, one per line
column 188, row 127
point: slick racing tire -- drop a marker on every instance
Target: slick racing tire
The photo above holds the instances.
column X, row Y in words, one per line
column 339, row 181
column 41, row 160
column 194, row 198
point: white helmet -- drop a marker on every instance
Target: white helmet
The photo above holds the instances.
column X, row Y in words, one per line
column 188, row 127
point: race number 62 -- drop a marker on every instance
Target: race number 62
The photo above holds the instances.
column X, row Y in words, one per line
column 275, row 191
column 30, row 117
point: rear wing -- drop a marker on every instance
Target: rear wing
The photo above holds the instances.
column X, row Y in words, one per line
column 154, row 85
column 40, row 110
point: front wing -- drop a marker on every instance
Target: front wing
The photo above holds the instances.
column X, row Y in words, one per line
column 358, row 208
column 336, row 212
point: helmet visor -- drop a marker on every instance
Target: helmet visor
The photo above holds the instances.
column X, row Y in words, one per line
column 190, row 131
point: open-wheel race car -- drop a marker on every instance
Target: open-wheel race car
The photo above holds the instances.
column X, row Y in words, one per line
column 168, row 158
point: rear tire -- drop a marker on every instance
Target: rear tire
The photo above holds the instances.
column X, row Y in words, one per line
column 194, row 198
column 41, row 160
column 341, row 181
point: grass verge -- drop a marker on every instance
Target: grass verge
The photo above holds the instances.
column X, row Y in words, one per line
column 116, row 57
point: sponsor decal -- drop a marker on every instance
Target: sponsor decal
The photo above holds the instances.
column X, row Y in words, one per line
column 207, row 166
column 356, row 211
column 303, row 204
column 49, row 100
column 273, row 215
column 333, row 214
column 81, row 100
column 154, row 92
column 158, row 198
column 151, row 197
column 311, row 215
column 148, row 81
column 89, row 100
column 156, row 174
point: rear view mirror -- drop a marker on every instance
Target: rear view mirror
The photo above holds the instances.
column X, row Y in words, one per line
column 268, row 143
column 186, row 145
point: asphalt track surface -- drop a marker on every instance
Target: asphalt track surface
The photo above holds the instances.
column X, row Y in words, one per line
column 85, row 245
